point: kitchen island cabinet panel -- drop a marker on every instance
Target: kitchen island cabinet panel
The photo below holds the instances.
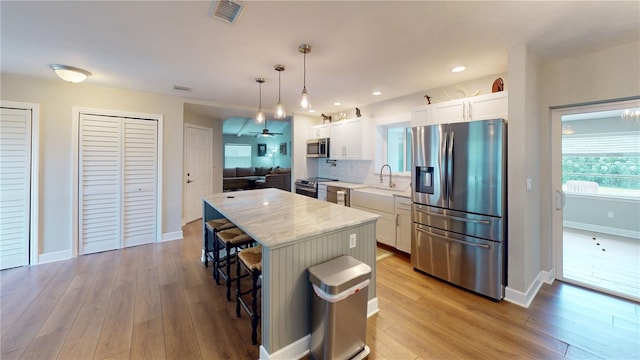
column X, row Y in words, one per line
column 295, row 232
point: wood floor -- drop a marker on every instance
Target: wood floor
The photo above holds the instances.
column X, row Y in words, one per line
column 159, row 301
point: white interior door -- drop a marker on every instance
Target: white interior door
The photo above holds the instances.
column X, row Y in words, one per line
column 118, row 182
column 100, row 182
column 15, row 176
column 140, row 185
column 198, row 166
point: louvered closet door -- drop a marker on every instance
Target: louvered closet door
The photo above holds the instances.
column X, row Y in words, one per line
column 140, row 174
column 15, row 177
column 100, row 182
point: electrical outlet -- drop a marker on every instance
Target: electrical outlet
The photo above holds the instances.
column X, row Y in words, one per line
column 352, row 241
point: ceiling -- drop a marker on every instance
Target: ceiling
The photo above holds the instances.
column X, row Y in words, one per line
column 395, row 47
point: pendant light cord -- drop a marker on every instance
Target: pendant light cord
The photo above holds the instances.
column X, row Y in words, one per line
column 304, row 66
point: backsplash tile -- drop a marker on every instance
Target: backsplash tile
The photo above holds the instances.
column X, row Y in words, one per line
column 359, row 172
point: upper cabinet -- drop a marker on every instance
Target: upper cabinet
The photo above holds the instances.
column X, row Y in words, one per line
column 320, row 131
column 352, row 139
column 422, row 115
column 481, row 107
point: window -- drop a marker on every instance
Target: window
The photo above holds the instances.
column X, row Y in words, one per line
column 399, row 148
column 237, row 155
column 601, row 153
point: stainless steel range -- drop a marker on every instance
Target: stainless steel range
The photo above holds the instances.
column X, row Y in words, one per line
column 309, row 187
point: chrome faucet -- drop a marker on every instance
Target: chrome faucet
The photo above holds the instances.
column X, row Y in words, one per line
column 391, row 184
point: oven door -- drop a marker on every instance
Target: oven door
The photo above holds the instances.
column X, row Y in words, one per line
column 306, row 190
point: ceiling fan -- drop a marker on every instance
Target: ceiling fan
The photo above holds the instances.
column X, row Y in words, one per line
column 265, row 132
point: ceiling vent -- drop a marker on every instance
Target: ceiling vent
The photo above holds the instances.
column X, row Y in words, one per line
column 181, row 88
column 227, row 10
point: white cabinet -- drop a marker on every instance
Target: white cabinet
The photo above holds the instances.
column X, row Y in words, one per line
column 481, row 107
column 382, row 205
column 322, row 192
column 422, row 115
column 403, row 224
column 320, row 131
column 352, row 139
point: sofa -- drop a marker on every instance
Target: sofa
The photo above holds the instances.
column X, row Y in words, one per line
column 279, row 178
column 251, row 178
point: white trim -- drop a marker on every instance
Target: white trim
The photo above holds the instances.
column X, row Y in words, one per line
column 301, row 347
column 602, row 229
column 524, row 299
column 175, row 235
column 54, row 256
column 34, row 212
column 75, row 118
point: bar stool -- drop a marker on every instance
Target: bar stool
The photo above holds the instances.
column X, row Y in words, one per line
column 230, row 239
column 251, row 260
column 210, row 244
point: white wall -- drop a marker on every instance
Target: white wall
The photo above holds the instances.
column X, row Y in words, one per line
column 56, row 99
column 523, row 164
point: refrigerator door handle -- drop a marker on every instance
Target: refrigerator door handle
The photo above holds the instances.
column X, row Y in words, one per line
column 450, row 167
column 484, row 246
column 483, row 222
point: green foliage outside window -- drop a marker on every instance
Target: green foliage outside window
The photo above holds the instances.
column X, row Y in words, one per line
column 614, row 171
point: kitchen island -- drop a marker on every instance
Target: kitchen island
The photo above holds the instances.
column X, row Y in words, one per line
column 296, row 232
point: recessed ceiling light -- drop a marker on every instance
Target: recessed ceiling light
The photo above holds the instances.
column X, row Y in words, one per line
column 337, row 103
column 376, row 93
column 457, row 68
column 311, row 111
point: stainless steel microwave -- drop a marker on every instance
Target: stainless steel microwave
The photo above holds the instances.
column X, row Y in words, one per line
column 318, row 148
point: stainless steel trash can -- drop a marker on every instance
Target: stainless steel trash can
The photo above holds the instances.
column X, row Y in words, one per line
column 339, row 315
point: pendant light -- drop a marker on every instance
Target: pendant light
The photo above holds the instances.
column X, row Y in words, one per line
column 304, row 100
column 260, row 114
column 280, row 113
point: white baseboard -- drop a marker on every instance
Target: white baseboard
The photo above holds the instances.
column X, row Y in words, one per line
column 176, row 235
column 53, row 256
column 295, row 350
column 302, row 346
column 524, row 299
column 602, row 229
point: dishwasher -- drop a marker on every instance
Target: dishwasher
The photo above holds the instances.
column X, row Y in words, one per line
column 338, row 195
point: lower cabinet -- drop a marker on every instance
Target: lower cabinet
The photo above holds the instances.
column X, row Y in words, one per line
column 381, row 205
column 403, row 224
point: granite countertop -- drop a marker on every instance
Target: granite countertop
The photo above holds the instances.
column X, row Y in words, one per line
column 275, row 217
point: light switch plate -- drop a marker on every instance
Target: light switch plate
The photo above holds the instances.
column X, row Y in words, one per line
column 352, row 241
column 529, row 184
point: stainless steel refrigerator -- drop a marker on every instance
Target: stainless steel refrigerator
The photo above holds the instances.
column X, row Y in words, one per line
column 460, row 204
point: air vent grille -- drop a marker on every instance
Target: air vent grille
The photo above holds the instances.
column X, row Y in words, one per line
column 181, row 88
column 227, row 10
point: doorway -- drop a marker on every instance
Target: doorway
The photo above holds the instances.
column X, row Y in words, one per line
column 117, row 179
column 18, row 184
column 198, row 167
column 596, row 175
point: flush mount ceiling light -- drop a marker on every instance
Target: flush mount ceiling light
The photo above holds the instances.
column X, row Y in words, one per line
column 376, row 93
column 280, row 113
column 456, row 69
column 260, row 114
column 337, row 103
column 70, row 73
column 304, row 101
